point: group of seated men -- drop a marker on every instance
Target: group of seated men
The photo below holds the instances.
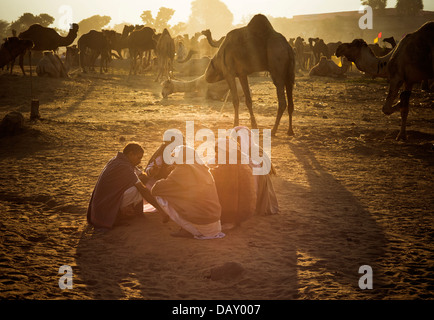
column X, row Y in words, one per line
column 201, row 198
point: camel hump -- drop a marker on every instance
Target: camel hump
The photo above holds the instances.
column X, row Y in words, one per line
column 359, row 42
column 260, row 26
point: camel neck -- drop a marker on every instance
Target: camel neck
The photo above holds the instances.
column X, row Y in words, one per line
column 66, row 41
column 212, row 42
column 376, row 66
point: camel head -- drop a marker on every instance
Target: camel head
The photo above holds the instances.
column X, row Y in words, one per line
column 127, row 30
column 74, row 27
column 167, row 88
column 351, row 51
column 206, row 32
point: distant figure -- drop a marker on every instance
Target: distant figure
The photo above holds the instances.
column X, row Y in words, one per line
column 119, row 192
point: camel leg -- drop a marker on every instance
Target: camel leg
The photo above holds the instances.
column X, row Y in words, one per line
column 131, row 65
column 12, row 65
column 394, row 86
column 289, row 88
column 21, row 62
column 245, row 85
column 282, row 106
column 81, row 59
column 235, row 100
column 404, row 104
column 160, row 70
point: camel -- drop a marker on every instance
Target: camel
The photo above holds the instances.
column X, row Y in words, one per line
column 11, row 48
column 411, row 62
column 299, row 49
column 365, row 60
column 51, row 65
column 93, row 44
column 303, row 53
column 211, row 41
column 319, row 48
column 327, row 68
column 72, row 57
column 140, row 40
column 254, row 48
column 187, row 57
column 46, row 39
column 332, row 46
column 120, row 41
column 165, row 52
column 379, row 51
column 200, row 87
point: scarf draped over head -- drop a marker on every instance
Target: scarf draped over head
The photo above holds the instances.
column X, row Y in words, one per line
column 117, row 176
column 190, row 189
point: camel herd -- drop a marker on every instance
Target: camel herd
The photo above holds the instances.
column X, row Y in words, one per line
column 243, row 51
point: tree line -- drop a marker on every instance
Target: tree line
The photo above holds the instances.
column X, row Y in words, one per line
column 203, row 16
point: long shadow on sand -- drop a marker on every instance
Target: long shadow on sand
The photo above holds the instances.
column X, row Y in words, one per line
column 338, row 235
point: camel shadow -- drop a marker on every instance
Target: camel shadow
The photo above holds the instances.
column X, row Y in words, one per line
column 339, row 234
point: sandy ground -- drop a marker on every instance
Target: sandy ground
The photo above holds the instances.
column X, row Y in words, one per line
column 349, row 194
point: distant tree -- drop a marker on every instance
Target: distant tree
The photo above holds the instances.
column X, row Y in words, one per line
column 120, row 26
column 210, row 14
column 147, row 18
column 178, row 28
column 27, row 19
column 409, row 7
column 162, row 18
column 375, row 4
column 4, row 29
column 95, row 22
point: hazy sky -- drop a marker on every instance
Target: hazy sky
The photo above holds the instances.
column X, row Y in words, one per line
column 130, row 10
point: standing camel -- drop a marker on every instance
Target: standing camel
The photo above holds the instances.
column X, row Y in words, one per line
column 364, row 58
column 120, row 41
column 411, row 62
column 165, row 51
column 319, row 49
column 254, row 48
column 45, row 39
column 11, row 48
column 93, row 44
column 213, row 43
column 140, row 40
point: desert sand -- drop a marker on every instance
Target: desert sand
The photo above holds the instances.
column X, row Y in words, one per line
column 349, row 195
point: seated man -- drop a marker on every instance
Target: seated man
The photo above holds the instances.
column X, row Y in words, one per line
column 119, row 192
column 189, row 196
column 266, row 200
column 236, row 187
